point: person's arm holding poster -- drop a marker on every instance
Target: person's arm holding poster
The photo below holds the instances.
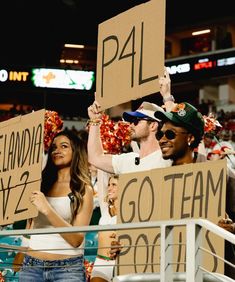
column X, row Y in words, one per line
column 165, row 91
column 96, row 155
column 227, row 224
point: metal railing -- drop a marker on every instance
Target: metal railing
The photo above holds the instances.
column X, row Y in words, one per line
column 194, row 270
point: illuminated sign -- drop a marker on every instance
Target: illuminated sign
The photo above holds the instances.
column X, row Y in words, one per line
column 202, row 66
column 226, row 62
column 50, row 78
column 13, row 75
column 64, row 79
column 181, row 68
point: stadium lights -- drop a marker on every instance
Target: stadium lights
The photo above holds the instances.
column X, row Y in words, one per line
column 78, row 46
column 201, row 32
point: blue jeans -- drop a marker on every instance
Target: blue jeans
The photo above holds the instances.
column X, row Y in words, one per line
column 37, row 270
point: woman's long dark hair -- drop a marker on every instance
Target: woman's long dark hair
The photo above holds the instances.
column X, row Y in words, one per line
column 79, row 171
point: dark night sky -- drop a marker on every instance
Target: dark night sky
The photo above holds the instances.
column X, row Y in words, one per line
column 33, row 32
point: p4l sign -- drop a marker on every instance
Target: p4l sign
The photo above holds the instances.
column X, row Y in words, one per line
column 130, row 54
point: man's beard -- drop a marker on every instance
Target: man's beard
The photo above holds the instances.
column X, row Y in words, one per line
column 174, row 155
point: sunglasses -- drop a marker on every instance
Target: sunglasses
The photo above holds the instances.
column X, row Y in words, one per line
column 137, row 120
column 169, row 134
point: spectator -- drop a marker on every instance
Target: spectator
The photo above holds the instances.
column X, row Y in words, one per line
column 143, row 128
column 181, row 133
column 104, row 264
column 143, row 125
column 65, row 200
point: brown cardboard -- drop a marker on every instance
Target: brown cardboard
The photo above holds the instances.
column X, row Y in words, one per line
column 178, row 192
column 21, row 150
column 130, row 54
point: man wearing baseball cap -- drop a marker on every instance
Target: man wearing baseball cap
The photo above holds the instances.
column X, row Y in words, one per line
column 143, row 127
column 181, row 132
column 145, row 111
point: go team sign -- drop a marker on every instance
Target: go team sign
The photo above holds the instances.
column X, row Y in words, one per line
column 178, row 192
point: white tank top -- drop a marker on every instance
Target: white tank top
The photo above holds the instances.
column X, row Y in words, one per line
column 54, row 243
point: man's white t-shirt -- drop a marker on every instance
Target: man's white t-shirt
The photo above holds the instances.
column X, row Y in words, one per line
column 126, row 163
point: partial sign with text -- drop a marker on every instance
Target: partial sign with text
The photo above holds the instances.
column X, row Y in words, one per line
column 21, row 151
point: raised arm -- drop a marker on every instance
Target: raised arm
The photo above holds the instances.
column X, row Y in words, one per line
column 165, row 90
column 96, row 154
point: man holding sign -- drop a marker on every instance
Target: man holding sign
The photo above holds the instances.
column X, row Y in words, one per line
column 181, row 133
column 144, row 126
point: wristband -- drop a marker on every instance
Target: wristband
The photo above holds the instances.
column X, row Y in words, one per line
column 94, row 122
column 168, row 98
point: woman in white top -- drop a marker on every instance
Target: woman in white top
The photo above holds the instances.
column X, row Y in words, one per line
column 104, row 263
column 65, row 200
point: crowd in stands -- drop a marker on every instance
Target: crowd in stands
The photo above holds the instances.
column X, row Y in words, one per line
column 226, row 119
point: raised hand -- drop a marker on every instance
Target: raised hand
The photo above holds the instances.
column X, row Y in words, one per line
column 165, row 84
column 116, row 247
column 94, row 111
column 227, row 224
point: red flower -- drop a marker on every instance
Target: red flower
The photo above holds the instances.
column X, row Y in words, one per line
column 211, row 124
column 52, row 125
column 114, row 135
column 88, row 266
column 1, row 277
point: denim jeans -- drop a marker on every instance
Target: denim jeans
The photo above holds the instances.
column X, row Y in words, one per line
column 37, row 270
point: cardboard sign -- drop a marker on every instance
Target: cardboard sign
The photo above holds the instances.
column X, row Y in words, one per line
column 130, row 54
column 21, row 150
column 178, row 192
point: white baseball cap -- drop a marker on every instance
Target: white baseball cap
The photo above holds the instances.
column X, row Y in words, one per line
column 145, row 111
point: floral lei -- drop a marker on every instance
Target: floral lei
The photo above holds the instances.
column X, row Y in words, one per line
column 212, row 125
column 52, row 125
column 114, row 135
